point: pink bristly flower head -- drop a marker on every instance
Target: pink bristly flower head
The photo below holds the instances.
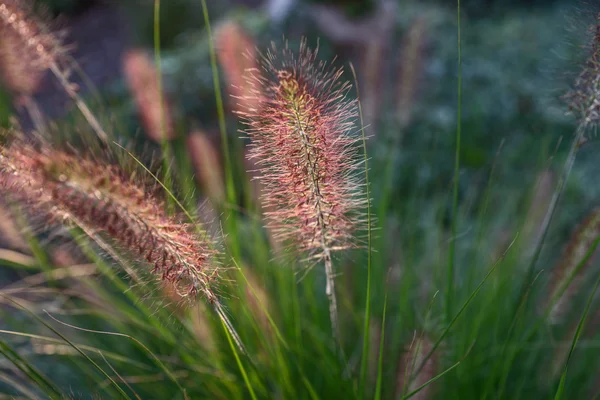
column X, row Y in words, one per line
column 29, row 46
column 102, row 199
column 236, row 52
column 153, row 107
column 304, row 145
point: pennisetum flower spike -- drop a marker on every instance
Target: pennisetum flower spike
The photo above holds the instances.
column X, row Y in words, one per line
column 584, row 101
column 584, row 96
column 23, row 28
column 302, row 143
column 236, row 52
column 153, row 107
column 123, row 216
column 104, row 200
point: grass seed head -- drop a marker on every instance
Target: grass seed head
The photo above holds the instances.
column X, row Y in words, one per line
column 207, row 165
column 303, row 145
column 584, row 96
column 153, row 108
column 236, row 51
column 28, row 46
column 105, row 200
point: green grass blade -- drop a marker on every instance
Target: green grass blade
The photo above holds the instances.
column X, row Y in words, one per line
column 164, row 143
column 462, row 309
column 588, row 305
column 381, row 348
column 158, row 362
column 556, row 196
column 435, row 378
column 73, row 345
column 234, row 349
column 452, row 250
column 365, row 349
column 30, row 371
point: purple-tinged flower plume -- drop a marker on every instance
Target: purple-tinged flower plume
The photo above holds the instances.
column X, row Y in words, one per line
column 303, row 144
column 154, row 108
column 105, row 201
column 236, row 51
column 28, row 46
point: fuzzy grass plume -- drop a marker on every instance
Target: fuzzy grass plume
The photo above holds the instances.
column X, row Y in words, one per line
column 207, row 165
column 584, row 101
column 301, row 139
column 584, row 97
column 28, row 47
column 104, row 201
column 411, row 70
column 40, row 48
column 236, row 51
column 153, row 108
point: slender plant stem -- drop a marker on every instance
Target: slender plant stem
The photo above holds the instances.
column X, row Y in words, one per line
column 452, row 250
column 164, row 142
column 555, row 198
column 330, row 291
column 323, row 227
column 35, row 114
column 379, row 383
column 367, row 317
column 85, row 111
column 231, row 338
column 220, row 108
column 561, row 386
column 230, row 184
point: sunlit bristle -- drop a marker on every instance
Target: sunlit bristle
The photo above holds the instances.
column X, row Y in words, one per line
column 303, row 142
column 28, row 47
column 304, row 148
column 103, row 199
column 584, row 97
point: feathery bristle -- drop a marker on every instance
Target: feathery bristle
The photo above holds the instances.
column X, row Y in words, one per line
column 102, row 198
column 301, row 138
column 153, row 107
column 27, row 47
column 584, row 97
column 299, row 121
column 39, row 49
